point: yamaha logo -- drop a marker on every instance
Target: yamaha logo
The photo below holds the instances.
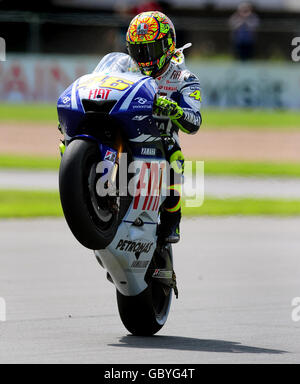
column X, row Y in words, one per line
column 148, row 151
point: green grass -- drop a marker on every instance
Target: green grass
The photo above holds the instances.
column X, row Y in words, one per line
column 212, row 118
column 245, row 207
column 252, row 119
column 38, row 113
column 247, row 169
column 234, row 168
column 33, row 204
column 218, row 168
column 29, row 162
column 29, row 204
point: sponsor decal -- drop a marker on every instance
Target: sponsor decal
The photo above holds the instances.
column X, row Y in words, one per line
column 149, row 185
column 66, row 100
column 176, row 75
column 148, row 151
column 162, row 274
column 110, row 156
column 142, row 29
column 140, row 264
column 139, row 118
column 134, row 246
column 99, row 93
column 141, row 100
column 194, row 88
column 167, row 88
column 146, row 106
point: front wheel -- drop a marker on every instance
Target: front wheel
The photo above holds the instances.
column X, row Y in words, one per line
column 88, row 215
column 146, row 313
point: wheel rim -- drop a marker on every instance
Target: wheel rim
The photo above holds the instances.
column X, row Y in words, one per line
column 97, row 206
column 103, row 214
column 161, row 294
column 161, row 302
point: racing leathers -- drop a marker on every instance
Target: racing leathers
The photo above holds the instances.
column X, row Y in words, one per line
column 176, row 108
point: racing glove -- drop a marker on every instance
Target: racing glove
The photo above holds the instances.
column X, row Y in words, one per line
column 165, row 107
column 186, row 120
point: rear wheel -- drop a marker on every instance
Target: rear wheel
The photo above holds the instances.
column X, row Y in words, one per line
column 90, row 217
column 146, row 313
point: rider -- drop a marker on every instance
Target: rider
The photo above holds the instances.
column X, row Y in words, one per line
column 151, row 42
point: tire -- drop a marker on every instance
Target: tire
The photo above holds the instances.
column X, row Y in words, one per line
column 146, row 313
column 91, row 224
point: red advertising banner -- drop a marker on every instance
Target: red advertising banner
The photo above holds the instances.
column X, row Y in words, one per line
column 40, row 79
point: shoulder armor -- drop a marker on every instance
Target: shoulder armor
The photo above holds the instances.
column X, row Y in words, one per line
column 190, row 78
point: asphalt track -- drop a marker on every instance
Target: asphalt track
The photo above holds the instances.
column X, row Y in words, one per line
column 215, row 186
column 237, row 278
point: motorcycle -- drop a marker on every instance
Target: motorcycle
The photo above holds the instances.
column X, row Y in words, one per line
column 106, row 120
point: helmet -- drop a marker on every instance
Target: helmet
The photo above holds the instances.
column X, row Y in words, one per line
column 151, row 41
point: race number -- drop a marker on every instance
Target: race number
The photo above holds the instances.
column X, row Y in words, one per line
column 196, row 95
column 116, row 83
column 110, row 82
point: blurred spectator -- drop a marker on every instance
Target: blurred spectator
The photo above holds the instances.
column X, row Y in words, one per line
column 126, row 13
column 145, row 6
column 244, row 24
column 122, row 11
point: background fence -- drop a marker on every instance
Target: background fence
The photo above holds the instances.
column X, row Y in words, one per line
column 35, row 78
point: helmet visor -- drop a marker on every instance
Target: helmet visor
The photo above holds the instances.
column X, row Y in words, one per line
column 148, row 52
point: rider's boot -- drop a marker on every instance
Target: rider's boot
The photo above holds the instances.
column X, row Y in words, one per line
column 170, row 227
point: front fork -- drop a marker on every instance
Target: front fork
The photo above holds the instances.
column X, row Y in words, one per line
column 62, row 145
column 109, row 163
column 119, row 149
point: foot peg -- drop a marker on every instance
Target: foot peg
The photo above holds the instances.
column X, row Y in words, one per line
column 172, row 239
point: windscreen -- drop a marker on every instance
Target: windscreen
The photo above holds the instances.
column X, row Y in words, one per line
column 117, row 62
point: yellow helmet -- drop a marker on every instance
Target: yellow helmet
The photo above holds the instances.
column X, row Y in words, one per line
column 151, row 41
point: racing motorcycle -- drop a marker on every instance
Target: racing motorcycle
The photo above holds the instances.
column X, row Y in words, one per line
column 107, row 123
